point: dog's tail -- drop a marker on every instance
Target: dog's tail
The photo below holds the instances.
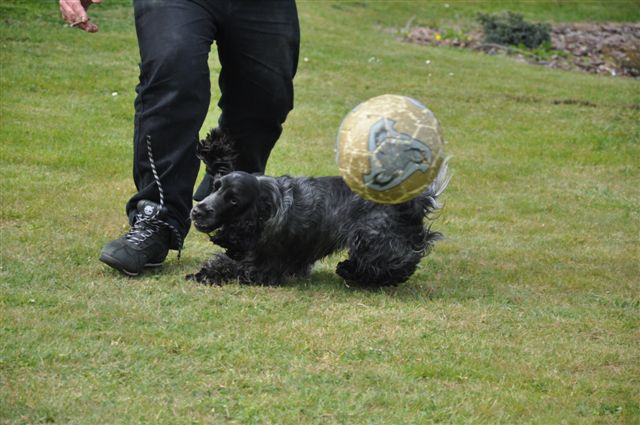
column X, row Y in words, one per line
column 218, row 146
column 428, row 200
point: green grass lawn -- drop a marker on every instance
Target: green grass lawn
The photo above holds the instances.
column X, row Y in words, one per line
column 528, row 313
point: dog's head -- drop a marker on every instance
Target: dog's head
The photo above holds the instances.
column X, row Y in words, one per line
column 218, row 152
column 233, row 200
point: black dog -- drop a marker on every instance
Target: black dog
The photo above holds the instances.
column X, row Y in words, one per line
column 274, row 228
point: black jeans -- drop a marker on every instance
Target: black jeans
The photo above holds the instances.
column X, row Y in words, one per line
column 258, row 43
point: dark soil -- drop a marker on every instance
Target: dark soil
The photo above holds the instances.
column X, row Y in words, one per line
column 602, row 48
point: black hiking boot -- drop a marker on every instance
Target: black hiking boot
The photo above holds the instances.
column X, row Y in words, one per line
column 146, row 244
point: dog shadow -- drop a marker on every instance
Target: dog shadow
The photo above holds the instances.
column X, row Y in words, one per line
column 326, row 282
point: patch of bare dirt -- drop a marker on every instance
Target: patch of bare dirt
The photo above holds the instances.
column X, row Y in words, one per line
column 600, row 48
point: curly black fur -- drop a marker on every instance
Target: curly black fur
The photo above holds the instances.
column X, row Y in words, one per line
column 218, row 152
column 274, row 228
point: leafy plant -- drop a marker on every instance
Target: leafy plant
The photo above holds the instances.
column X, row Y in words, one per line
column 511, row 29
column 544, row 52
column 453, row 34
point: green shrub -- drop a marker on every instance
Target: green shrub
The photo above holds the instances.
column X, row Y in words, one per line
column 511, row 29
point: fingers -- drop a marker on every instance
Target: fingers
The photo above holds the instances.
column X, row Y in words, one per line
column 87, row 26
column 75, row 14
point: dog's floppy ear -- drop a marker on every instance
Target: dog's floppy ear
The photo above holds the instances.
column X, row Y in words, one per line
column 265, row 207
column 269, row 199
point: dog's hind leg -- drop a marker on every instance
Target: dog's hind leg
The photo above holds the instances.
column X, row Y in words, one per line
column 377, row 260
column 217, row 270
column 375, row 274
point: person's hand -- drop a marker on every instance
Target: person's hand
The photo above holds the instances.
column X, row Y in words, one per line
column 74, row 12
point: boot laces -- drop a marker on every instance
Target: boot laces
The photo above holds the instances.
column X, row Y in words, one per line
column 147, row 226
column 143, row 228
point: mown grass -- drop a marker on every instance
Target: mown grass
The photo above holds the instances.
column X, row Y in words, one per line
column 529, row 312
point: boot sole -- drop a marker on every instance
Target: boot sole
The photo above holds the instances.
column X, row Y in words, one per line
column 116, row 264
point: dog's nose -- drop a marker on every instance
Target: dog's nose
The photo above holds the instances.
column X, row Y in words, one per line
column 197, row 212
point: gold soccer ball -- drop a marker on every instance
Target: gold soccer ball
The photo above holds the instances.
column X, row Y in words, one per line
column 389, row 149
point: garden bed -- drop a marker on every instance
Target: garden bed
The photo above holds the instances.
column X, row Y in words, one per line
column 600, row 48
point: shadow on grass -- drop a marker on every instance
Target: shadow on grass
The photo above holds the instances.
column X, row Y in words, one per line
column 436, row 282
column 326, row 283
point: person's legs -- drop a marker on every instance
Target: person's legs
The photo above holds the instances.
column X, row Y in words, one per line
column 174, row 37
column 258, row 50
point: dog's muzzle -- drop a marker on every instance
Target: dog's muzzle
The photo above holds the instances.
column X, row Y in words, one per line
column 203, row 218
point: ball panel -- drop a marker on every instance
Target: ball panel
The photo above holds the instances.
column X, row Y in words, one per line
column 389, row 149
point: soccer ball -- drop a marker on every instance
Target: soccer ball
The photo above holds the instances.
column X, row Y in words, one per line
column 389, row 149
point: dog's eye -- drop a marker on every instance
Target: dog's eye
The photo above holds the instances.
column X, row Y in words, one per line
column 231, row 198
